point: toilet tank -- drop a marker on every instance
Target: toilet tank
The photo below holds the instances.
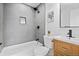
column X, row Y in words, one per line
column 48, row 41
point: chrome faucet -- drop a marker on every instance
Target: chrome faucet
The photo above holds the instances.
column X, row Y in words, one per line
column 70, row 33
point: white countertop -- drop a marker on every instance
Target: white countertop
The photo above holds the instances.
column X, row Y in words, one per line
column 65, row 39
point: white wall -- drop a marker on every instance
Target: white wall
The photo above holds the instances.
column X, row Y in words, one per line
column 40, row 20
column 1, row 25
column 54, row 26
column 14, row 32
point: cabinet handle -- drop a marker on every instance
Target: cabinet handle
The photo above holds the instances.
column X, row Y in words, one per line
column 64, row 48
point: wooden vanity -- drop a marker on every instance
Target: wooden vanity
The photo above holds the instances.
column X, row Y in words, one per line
column 62, row 48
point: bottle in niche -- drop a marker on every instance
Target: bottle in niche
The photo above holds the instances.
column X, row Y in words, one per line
column 49, row 33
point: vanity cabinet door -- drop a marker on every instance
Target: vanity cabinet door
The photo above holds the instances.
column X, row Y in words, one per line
column 62, row 48
column 75, row 49
column 57, row 46
column 65, row 49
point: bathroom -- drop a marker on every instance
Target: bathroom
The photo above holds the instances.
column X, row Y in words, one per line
column 35, row 27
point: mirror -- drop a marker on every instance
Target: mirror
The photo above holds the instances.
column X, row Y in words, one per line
column 69, row 15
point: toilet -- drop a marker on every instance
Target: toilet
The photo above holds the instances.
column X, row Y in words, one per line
column 48, row 42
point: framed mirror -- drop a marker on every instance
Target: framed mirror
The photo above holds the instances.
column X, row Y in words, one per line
column 69, row 15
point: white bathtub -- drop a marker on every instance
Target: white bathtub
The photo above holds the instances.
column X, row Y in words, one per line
column 32, row 48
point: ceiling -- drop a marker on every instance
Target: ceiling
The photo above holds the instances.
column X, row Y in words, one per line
column 32, row 4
